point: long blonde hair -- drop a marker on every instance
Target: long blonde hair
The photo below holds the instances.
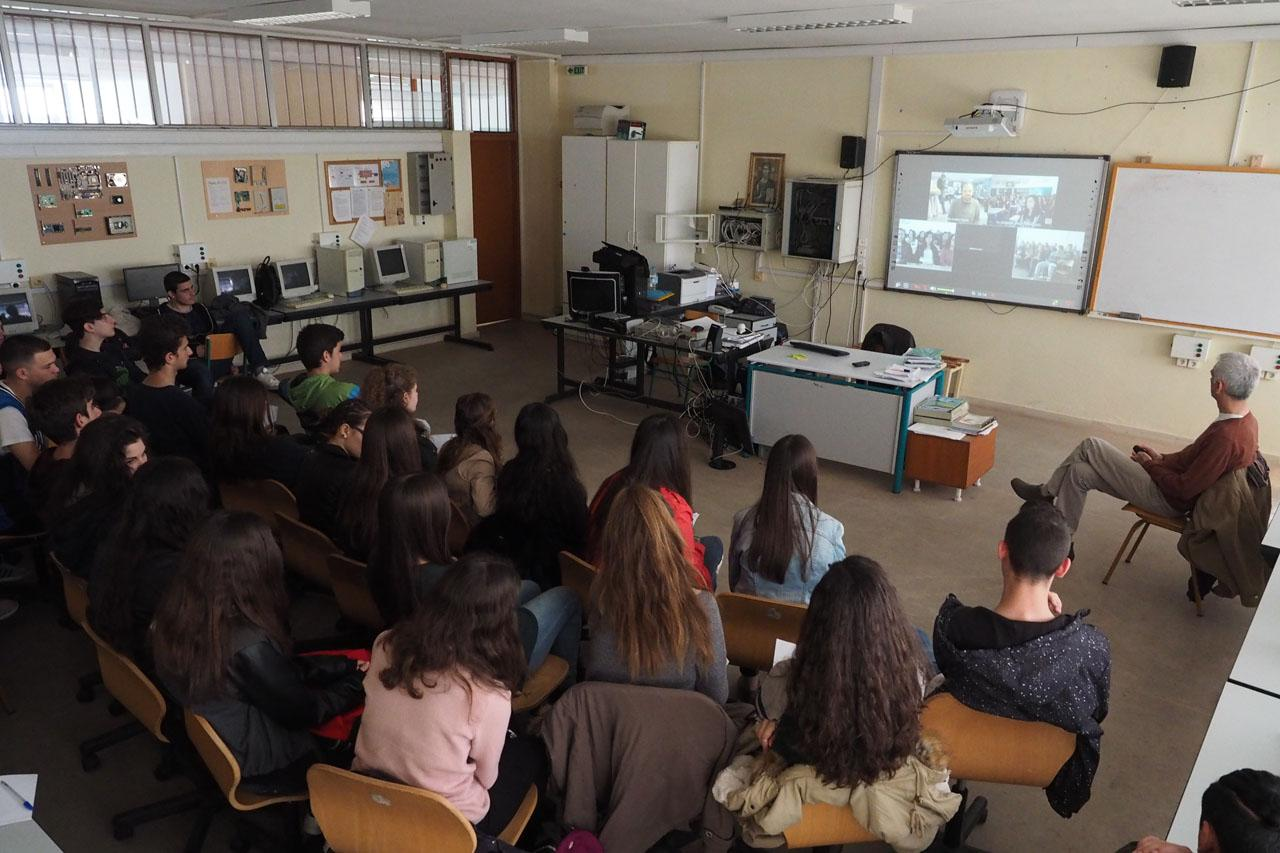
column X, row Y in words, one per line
column 644, row 591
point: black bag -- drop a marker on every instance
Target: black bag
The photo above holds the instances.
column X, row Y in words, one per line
column 267, row 284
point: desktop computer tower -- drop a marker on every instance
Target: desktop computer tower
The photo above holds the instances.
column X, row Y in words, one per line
column 423, row 260
column 74, row 284
column 340, row 271
column 459, row 260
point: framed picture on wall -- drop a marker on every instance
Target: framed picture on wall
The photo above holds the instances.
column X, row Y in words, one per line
column 764, row 180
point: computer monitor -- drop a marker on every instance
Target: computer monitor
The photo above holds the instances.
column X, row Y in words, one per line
column 389, row 264
column 295, row 277
column 16, row 313
column 233, row 281
column 593, row 293
column 143, row 283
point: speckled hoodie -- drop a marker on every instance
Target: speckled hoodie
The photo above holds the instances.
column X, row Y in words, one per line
column 1062, row 678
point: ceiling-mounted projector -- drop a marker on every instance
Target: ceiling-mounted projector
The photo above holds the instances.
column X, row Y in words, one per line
column 983, row 121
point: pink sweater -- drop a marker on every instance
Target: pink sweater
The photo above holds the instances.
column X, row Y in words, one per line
column 445, row 742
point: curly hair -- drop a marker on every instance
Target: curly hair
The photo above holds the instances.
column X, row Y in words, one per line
column 854, row 691
column 388, row 385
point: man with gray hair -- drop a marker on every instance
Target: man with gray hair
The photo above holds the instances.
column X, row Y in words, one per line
column 1169, row 483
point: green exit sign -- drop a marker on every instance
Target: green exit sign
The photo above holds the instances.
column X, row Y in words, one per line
column 576, row 70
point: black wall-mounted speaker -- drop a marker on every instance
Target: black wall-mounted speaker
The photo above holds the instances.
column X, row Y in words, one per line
column 853, row 152
column 1175, row 66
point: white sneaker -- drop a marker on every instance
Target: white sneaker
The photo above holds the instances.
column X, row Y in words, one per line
column 266, row 378
column 7, row 608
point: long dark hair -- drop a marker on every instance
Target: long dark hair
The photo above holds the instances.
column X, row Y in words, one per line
column 659, row 460
column 97, row 466
column 468, row 625
column 232, row 575
column 167, row 502
column 474, row 424
column 413, row 528
column 854, row 689
column 542, row 476
column 390, row 450
column 781, row 529
column 239, row 425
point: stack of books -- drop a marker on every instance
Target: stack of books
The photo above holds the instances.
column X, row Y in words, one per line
column 974, row 424
column 923, row 357
column 941, row 411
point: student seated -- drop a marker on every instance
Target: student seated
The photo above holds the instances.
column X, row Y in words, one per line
column 1026, row 659
column 1239, row 813
column 659, row 460
column 199, row 322
column 93, row 347
column 327, row 470
column 59, row 411
column 86, row 500
column 397, row 385
column 469, row 462
column 28, row 362
column 410, row 555
column 541, row 505
column 438, row 699
column 782, row 546
column 242, row 444
column 649, row 626
column 389, row 450
column 221, row 645
column 107, row 396
column 142, row 554
column 177, row 424
column 320, row 350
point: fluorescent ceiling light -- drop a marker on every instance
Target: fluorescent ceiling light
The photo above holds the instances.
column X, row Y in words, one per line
column 558, row 36
column 288, row 12
column 821, row 19
column 1189, row 4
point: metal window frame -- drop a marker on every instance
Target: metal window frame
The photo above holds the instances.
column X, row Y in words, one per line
column 509, row 62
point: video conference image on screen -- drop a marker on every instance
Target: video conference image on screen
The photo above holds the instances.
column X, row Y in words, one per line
column 1020, row 230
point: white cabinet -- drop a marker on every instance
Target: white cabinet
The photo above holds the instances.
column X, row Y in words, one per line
column 613, row 191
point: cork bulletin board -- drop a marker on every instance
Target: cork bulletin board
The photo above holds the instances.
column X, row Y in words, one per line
column 241, row 189
column 80, row 202
column 355, row 188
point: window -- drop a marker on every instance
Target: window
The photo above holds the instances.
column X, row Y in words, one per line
column 209, row 78
column 78, row 71
column 6, row 105
column 405, row 87
column 317, row 84
column 480, row 94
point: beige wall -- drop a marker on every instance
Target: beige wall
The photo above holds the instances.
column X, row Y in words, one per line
column 1079, row 366
column 539, row 123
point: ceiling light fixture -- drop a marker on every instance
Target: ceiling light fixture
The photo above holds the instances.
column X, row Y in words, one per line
column 821, row 19
column 524, row 37
column 1196, row 4
column 288, row 12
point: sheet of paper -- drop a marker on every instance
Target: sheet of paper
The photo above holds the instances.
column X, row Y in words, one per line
column 12, row 811
column 390, row 174
column 342, row 206
column 393, row 208
column 261, row 201
column 217, row 193
column 440, row 439
column 939, row 431
column 363, row 232
column 280, row 199
column 367, row 175
column 377, row 202
column 359, row 202
column 341, row 177
column 783, row 650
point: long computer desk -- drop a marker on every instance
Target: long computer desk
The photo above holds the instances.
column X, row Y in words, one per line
column 368, row 301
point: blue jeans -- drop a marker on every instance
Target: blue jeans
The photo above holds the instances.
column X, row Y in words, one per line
column 927, row 645
column 240, row 323
column 550, row 623
column 712, row 554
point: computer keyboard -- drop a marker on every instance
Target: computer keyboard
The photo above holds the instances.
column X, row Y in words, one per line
column 411, row 289
column 307, row 301
column 819, row 348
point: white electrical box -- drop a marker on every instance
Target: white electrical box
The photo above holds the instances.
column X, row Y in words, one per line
column 429, row 183
column 330, row 239
column 746, row 228
column 422, row 257
column 1189, row 351
column 459, row 259
column 340, row 271
column 192, row 255
column 820, row 219
column 1268, row 359
column 13, row 274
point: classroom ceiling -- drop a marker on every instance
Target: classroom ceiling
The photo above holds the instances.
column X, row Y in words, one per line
column 677, row 26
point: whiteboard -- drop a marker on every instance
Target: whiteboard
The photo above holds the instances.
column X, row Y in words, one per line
column 1195, row 246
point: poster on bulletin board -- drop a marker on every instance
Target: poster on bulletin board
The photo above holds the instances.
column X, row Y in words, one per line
column 244, row 188
column 356, row 188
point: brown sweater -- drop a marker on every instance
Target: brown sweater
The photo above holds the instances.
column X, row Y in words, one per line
column 1223, row 447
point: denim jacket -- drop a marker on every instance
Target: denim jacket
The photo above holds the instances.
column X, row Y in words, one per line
column 828, row 548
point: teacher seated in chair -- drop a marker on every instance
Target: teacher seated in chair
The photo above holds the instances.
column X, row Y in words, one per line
column 1166, row 484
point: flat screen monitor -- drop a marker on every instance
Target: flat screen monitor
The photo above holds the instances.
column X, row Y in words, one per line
column 16, row 313
column 295, row 278
column 234, row 281
column 593, row 293
column 1017, row 229
column 143, row 283
column 390, row 264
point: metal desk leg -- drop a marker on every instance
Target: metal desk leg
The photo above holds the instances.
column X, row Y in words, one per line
column 365, row 352
column 900, row 458
column 563, row 389
column 455, row 336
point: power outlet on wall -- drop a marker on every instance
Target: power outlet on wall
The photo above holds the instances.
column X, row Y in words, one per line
column 1268, row 359
column 1189, row 351
column 192, row 256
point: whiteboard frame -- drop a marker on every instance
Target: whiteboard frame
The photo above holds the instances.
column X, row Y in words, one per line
column 1102, row 251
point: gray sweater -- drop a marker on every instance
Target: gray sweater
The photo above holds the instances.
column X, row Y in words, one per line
column 604, row 663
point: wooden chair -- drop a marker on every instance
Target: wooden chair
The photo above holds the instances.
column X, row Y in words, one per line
column 540, row 684
column 75, row 591
column 263, row 498
column 752, row 625
column 577, row 574
column 459, row 530
column 350, row 579
column 361, row 814
column 306, row 550
column 1145, row 521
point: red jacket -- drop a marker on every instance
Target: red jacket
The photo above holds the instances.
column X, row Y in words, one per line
column 694, row 550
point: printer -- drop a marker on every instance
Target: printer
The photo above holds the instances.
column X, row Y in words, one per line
column 689, row 286
column 599, row 119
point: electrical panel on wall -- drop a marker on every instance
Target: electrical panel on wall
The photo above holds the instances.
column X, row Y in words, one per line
column 820, row 219
column 429, row 183
column 744, row 228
